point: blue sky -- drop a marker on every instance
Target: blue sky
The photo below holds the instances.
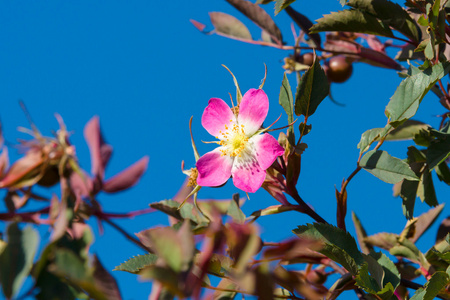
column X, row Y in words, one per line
column 145, row 70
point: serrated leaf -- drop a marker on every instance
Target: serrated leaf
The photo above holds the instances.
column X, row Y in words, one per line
column 312, row 89
column 282, row 4
column 432, row 288
column 386, row 167
column 286, row 101
column 340, row 246
column 391, row 14
column 17, row 257
column 368, row 137
column 137, row 263
column 406, row 99
column 229, row 26
column 259, row 17
column 351, row 21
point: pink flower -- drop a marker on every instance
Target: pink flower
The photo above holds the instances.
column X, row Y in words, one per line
column 244, row 152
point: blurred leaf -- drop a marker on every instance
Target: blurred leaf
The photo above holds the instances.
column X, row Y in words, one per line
column 100, row 151
column 382, row 240
column 387, row 168
column 406, row 99
column 351, row 21
column 424, row 221
column 340, row 246
column 166, row 244
column 243, row 243
column 407, row 130
column 391, row 14
column 426, row 190
column 69, row 266
column 137, row 263
column 225, row 284
column 166, row 276
column 361, row 235
column 432, row 288
column 406, row 248
column 259, row 17
column 305, row 24
column 17, row 257
column 170, row 208
column 286, row 101
column 443, row 230
column 105, row 282
column 219, row 265
column 408, row 193
column 228, row 26
column 312, row 89
column 368, row 137
column 127, row 178
column 235, row 212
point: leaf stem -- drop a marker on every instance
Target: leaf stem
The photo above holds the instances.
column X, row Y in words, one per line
column 126, row 234
column 250, row 293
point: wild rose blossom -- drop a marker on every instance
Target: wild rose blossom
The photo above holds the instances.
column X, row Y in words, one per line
column 244, row 153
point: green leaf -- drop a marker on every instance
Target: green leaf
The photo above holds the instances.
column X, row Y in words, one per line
column 391, row 14
column 352, row 21
column 137, row 263
column 406, row 99
column 432, row 288
column 17, row 257
column 408, row 193
column 282, row 4
column 407, row 131
column 368, row 137
column 426, row 190
column 361, row 234
column 438, row 151
column 259, row 16
column 312, row 89
column 387, row 168
column 227, row 25
column 443, row 172
column 340, row 246
column 286, row 101
column 235, row 212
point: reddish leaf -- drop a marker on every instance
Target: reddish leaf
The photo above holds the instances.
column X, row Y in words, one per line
column 304, row 23
column 259, row 17
column 228, row 26
column 443, row 230
column 4, row 161
column 198, row 25
column 26, row 168
column 127, row 178
column 104, row 282
column 100, row 151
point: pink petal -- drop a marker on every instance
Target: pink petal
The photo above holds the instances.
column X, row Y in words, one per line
column 216, row 115
column 127, row 178
column 266, row 149
column 214, row 168
column 247, row 173
column 253, row 110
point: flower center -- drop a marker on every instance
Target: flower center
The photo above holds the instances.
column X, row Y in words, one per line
column 193, row 177
column 234, row 139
